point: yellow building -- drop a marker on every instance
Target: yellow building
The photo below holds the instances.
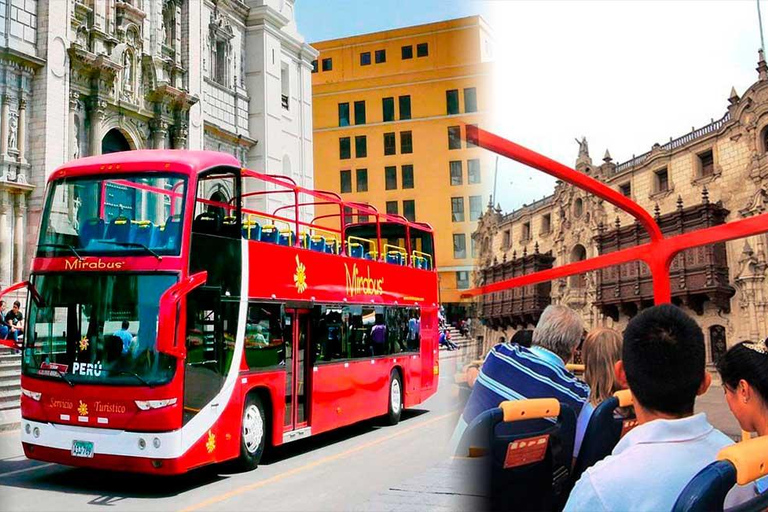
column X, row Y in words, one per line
column 388, row 113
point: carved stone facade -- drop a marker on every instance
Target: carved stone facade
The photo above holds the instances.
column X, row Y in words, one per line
column 713, row 174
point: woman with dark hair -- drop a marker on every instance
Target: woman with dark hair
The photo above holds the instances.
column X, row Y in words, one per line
column 744, row 372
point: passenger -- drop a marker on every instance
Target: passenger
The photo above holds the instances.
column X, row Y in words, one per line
column 379, row 335
column 523, row 337
column 600, row 351
column 513, row 372
column 663, row 363
column 744, row 371
column 125, row 335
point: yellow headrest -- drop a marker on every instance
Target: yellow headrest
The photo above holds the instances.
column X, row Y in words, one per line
column 749, row 457
column 534, row 408
column 142, row 223
column 120, row 222
column 625, row 398
column 268, row 227
column 354, row 244
column 317, row 238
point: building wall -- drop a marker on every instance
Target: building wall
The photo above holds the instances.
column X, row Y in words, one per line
column 739, row 180
column 457, row 55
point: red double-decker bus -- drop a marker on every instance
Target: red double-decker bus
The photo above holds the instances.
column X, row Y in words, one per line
column 184, row 311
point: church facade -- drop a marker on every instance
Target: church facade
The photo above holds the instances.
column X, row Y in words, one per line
column 714, row 174
column 85, row 77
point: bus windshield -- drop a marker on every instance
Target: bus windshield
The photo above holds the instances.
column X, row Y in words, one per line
column 136, row 214
column 97, row 328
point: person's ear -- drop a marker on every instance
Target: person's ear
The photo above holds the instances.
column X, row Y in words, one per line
column 705, row 383
column 621, row 375
column 744, row 390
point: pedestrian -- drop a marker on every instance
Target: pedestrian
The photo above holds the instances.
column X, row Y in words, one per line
column 13, row 320
column 4, row 329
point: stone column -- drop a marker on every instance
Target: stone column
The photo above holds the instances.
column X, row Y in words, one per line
column 98, row 114
column 180, row 136
column 5, row 115
column 21, row 141
column 19, row 234
column 5, row 242
column 159, row 131
column 74, row 150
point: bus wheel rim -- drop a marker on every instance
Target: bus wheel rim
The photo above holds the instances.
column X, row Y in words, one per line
column 395, row 396
column 253, row 428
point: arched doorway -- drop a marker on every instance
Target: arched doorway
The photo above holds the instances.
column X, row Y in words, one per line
column 717, row 342
column 114, row 141
column 578, row 253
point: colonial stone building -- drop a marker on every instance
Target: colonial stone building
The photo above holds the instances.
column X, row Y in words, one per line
column 84, row 77
column 711, row 175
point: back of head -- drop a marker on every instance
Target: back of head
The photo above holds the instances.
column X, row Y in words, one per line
column 559, row 331
column 600, row 351
column 664, row 359
column 748, row 361
column 125, row 324
column 523, row 337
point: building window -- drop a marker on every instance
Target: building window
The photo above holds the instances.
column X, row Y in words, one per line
column 471, row 140
column 360, row 112
column 578, row 207
column 662, row 180
column 405, row 107
column 475, row 207
column 285, row 86
column 345, row 150
column 422, row 49
column 361, row 146
column 406, row 142
column 388, row 109
column 473, row 171
column 456, row 172
column 221, row 62
column 454, row 137
column 452, row 101
column 507, row 239
column 579, row 253
column 365, row 59
column 409, row 210
column 470, row 99
column 381, row 56
column 314, row 66
column 392, row 207
column 459, row 246
column 346, row 181
column 462, row 280
column 765, row 139
column 457, row 209
column 362, row 180
column 546, row 223
column 407, row 172
column 348, row 218
column 390, row 146
column 390, row 178
column 406, row 52
column 363, row 217
column 706, row 164
column 626, row 189
column 327, row 64
column 526, row 235
column 343, row 114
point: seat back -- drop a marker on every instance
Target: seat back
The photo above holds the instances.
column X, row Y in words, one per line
column 741, row 463
column 143, row 232
column 229, row 227
column 119, row 230
column 91, row 229
column 317, row 243
column 332, row 246
column 269, row 234
column 528, row 448
column 208, row 223
column 394, row 257
column 355, row 249
column 251, row 230
column 604, row 431
column 287, row 237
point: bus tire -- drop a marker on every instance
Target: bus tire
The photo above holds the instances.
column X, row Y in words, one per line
column 395, row 398
column 253, row 433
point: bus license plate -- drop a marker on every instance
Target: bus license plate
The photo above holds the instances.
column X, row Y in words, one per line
column 82, row 449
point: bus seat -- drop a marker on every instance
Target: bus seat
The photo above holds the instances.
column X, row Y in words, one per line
column 207, row 223
column 317, row 243
column 91, row 229
column 143, row 233
column 395, row 257
column 355, row 249
column 528, row 451
column 168, row 235
column 287, row 237
column 371, row 255
column 252, row 230
column 604, row 431
column 269, row 234
column 418, row 261
column 332, row 246
column 229, row 227
column 304, row 240
column 740, row 463
column 119, row 230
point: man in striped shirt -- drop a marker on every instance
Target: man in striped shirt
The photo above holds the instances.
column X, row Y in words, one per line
column 512, row 372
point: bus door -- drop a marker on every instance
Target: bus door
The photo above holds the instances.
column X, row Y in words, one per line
column 298, row 372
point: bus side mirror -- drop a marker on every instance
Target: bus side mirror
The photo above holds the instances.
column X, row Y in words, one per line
column 169, row 314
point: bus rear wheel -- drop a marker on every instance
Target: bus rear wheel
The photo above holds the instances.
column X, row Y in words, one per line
column 395, row 398
column 253, row 433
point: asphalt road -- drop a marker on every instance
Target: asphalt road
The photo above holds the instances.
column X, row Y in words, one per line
column 354, row 468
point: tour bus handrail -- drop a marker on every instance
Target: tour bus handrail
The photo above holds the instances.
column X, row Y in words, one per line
column 169, row 314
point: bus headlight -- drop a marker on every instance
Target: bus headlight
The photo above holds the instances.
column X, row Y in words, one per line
column 36, row 432
column 146, row 405
column 28, row 428
column 34, row 395
column 142, row 443
column 156, row 442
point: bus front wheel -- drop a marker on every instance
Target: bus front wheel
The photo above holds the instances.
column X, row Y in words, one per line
column 253, row 433
column 395, row 398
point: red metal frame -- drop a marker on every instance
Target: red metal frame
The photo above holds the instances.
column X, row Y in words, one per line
column 657, row 254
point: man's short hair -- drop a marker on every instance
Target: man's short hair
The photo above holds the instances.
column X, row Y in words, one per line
column 664, row 359
column 559, row 331
column 16, row 304
column 126, row 324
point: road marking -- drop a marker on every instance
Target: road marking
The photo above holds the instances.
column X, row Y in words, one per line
column 27, row 469
column 9, row 432
column 294, row 471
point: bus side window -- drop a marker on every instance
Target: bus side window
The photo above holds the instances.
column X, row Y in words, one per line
column 328, row 333
column 264, row 343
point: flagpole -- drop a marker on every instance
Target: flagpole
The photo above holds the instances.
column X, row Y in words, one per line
column 495, row 176
column 760, row 21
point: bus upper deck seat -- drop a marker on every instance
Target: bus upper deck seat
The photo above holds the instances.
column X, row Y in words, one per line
column 230, row 228
column 119, row 230
column 317, row 243
column 371, row 255
column 269, row 234
column 395, row 257
column 91, row 229
column 604, row 431
column 144, row 233
column 528, row 450
column 332, row 246
column 740, row 463
column 208, row 223
column 419, row 261
column 287, row 237
column 168, row 235
column 355, row 249
column 251, row 230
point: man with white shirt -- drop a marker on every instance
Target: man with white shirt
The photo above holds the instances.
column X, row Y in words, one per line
column 663, row 364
